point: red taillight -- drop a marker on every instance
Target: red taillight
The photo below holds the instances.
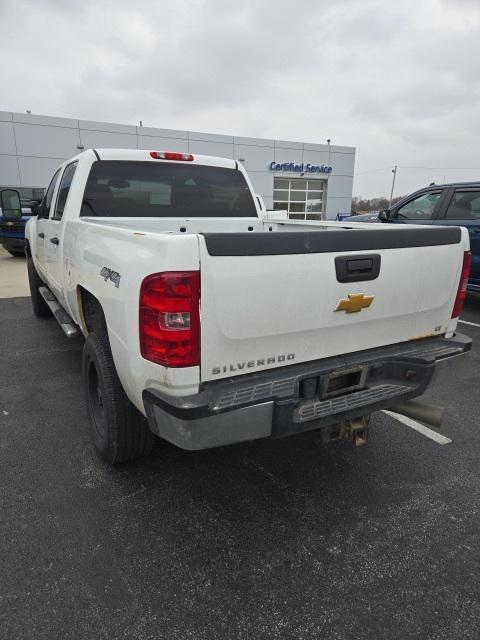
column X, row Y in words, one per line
column 462, row 286
column 170, row 318
column 171, row 155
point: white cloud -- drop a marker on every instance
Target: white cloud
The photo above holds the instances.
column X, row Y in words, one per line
column 398, row 81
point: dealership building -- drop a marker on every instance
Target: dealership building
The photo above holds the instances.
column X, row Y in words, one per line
column 309, row 180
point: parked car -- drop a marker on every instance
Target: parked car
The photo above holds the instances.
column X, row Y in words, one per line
column 12, row 227
column 12, row 232
column 453, row 204
column 209, row 322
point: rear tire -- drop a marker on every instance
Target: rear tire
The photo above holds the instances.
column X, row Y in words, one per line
column 40, row 307
column 118, row 430
column 16, row 254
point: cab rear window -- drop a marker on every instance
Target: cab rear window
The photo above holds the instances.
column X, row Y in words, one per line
column 164, row 190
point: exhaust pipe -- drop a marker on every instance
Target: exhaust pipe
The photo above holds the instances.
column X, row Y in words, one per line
column 429, row 413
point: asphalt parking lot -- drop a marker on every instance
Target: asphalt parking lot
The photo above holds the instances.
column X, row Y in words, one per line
column 272, row 539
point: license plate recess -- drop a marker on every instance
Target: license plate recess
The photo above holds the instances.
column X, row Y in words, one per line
column 343, row 381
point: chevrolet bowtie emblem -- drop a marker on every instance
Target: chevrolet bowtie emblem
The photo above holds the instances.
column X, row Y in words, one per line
column 354, row 303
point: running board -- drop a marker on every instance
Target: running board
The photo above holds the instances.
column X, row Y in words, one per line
column 61, row 316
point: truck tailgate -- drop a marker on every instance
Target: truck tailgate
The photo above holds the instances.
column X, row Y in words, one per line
column 272, row 299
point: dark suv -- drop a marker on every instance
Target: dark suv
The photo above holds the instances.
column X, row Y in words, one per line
column 455, row 204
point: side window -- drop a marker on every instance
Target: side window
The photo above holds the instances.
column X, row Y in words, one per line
column 47, row 203
column 421, row 208
column 465, row 205
column 64, row 190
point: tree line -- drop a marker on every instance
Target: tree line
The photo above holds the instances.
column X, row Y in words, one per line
column 363, row 205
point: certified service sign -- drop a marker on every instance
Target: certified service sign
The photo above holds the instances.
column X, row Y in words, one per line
column 304, row 167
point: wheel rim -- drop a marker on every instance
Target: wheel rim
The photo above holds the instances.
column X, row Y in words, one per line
column 95, row 398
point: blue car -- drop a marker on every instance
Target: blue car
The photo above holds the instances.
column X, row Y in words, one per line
column 12, row 226
column 455, row 204
column 12, row 233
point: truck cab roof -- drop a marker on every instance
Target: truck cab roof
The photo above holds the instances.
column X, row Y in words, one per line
column 144, row 155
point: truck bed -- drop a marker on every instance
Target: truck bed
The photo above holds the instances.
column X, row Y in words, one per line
column 273, row 295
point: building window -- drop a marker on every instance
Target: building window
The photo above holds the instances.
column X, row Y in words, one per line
column 303, row 199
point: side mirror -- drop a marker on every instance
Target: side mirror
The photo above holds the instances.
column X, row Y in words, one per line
column 35, row 207
column 385, row 215
column 10, row 203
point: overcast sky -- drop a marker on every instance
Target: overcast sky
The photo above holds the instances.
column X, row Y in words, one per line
column 397, row 80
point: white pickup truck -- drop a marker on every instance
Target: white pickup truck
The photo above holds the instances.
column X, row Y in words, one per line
column 209, row 321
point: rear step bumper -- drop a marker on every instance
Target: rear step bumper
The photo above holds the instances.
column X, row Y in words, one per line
column 299, row 398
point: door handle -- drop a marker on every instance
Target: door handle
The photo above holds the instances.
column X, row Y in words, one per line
column 357, row 268
column 41, row 235
column 55, row 241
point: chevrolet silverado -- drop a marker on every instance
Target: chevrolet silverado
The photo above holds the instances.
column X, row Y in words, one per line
column 209, row 321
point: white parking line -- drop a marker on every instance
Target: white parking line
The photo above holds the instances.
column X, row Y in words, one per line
column 473, row 324
column 433, row 435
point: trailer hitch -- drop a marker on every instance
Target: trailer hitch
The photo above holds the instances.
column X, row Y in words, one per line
column 353, row 430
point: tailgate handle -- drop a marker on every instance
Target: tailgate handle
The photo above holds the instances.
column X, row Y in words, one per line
column 357, row 268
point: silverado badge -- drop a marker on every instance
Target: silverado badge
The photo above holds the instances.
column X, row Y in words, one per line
column 354, row 303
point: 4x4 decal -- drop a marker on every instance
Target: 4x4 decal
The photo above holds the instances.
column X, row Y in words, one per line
column 109, row 274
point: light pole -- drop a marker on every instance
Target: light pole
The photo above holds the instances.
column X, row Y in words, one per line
column 394, row 171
